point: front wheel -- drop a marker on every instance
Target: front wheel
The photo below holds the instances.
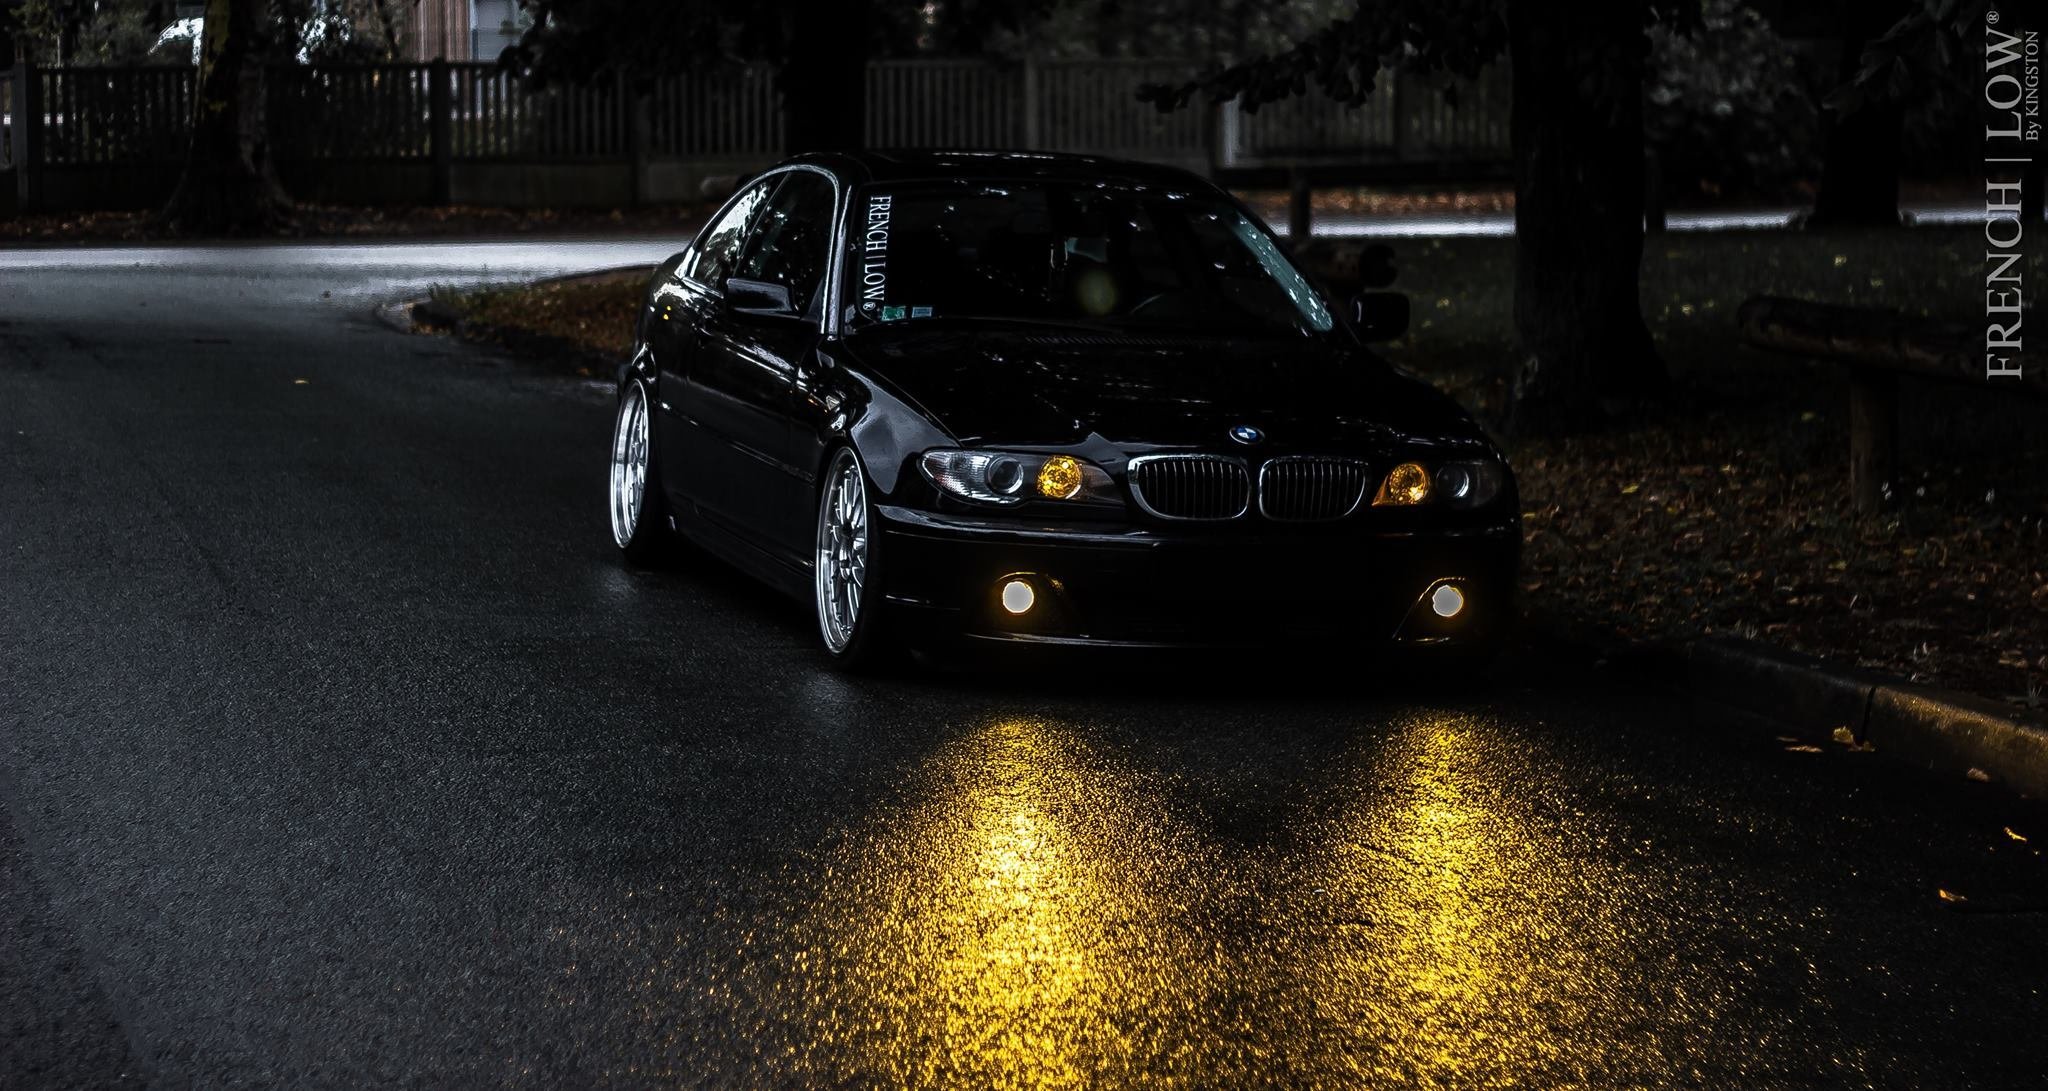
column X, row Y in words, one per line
column 639, row 511
column 845, row 583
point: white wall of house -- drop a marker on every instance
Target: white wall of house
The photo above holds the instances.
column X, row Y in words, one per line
column 493, row 25
column 464, row 30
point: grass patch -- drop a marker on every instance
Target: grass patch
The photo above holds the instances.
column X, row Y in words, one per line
column 1729, row 512
column 583, row 321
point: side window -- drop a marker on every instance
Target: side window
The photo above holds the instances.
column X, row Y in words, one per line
column 719, row 247
column 792, row 242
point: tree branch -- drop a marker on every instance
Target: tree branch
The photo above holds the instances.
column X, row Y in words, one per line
column 1344, row 58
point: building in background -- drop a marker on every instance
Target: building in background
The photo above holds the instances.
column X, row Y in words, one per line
column 464, row 30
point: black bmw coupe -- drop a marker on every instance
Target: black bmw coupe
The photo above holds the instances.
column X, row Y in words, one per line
column 1052, row 399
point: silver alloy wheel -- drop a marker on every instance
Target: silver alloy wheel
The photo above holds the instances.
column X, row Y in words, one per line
column 629, row 465
column 842, row 561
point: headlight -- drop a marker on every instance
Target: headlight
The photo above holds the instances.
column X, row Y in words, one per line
column 1407, row 483
column 1007, row 477
column 1468, row 484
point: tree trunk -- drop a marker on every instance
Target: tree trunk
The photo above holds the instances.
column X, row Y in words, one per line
column 1859, row 173
column 824, row 77
column 390, row 29
column 228, row 186
column 1577, row 130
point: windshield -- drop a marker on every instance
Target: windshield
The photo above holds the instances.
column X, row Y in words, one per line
column 1123, row 257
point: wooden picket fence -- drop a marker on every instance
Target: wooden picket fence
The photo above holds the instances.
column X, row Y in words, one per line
column 440, row 115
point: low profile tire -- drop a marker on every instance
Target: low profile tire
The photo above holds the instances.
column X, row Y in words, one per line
column 639, row 509
column 851, row 622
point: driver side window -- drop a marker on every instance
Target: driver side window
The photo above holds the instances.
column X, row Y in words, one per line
column 720, row 247
column 792, row 241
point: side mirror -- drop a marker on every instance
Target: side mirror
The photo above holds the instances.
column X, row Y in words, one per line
column 758, row 297
column 1380, row 316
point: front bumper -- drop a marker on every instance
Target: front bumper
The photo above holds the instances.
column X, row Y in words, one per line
column 1211, row 586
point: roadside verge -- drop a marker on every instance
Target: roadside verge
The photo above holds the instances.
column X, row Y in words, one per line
column 559, row 320
column 1940, row 730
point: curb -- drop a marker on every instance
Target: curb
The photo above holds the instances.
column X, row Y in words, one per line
column 1940, row 730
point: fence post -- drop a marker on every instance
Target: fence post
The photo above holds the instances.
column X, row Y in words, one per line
column 28, row 124
column 1299, row 194
column 438, row 102
column 1223, row 134
column 634, row 101
column 1031, row 111
column 1399, row 136
column 1654, row 219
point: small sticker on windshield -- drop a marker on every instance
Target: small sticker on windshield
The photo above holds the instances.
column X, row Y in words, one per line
column 920, row 312
column 891, row 314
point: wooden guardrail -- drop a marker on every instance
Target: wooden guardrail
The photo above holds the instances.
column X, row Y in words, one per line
column 1879, row 346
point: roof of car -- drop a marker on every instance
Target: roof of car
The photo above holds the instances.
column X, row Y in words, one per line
column 908, row 165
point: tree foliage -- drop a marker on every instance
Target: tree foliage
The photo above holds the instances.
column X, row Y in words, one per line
column 1930, row 63
column 1729, row 106
column 1918, row 59
column 579, row 40
column 1199, row 30
column 118, row 32
column 320, row 31
column 85, row 31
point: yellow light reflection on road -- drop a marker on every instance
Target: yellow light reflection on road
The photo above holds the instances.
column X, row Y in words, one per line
column 1494, row 950
column 1427, row 906
column 1015, row 940
column 998, row 937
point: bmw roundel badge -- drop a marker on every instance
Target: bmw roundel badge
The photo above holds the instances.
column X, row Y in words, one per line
column 1247, row 434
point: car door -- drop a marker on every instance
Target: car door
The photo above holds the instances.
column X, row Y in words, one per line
column 748, row 361
column 693, row 463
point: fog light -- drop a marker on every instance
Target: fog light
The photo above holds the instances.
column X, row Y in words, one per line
column 1445, row 600
column 1018, row 596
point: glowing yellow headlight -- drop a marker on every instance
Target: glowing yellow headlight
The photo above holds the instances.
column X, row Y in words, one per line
column 1407, row 483
column 1060, row 478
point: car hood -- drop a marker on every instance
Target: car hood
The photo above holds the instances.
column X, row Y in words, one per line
column 1055, row 388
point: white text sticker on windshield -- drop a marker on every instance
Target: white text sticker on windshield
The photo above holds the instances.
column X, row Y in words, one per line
column 874, row 246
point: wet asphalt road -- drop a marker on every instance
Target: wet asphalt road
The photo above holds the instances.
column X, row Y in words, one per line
column 336, row 749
